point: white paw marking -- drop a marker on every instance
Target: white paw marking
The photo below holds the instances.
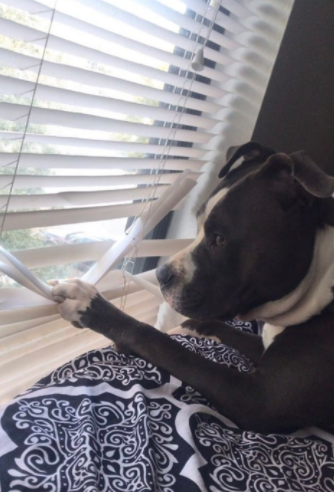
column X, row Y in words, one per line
column 72, row 296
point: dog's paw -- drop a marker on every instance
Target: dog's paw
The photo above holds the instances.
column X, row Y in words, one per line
column 74, row 298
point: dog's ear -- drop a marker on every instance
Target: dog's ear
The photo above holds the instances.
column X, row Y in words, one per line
column 300, row 167
column 250, row 151
column 312, row 181
column 316, row 182
column 310, row 176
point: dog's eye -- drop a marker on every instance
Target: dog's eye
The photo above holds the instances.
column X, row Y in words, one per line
column 220, row 240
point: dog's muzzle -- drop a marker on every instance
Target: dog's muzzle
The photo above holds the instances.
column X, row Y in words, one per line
column 180, row 296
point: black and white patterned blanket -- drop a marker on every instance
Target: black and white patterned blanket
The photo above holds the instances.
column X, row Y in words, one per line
column 106, row 422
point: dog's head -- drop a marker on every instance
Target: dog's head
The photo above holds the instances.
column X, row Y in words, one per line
column 255, row 237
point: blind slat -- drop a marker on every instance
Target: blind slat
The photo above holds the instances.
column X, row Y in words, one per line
column 15, row 311
column 28, row 220
column 29, row 35
column 31, row 181
column 102, row 144
column 42, row 340
column 60, row 161
column 13, row 59
column 14, row 328
column 48, row 218
column 92, row 251
column 13, row 86
column 55, row 117
column 69, row 199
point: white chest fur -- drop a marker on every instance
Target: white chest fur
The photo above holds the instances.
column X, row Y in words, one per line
column 269, row 333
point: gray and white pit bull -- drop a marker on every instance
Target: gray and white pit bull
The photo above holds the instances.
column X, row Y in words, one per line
column 264, row 250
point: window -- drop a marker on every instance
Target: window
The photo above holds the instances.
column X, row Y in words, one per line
column 100, row 112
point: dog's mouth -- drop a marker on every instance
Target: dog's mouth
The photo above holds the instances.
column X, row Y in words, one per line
column 194, row 304
column 184, row 302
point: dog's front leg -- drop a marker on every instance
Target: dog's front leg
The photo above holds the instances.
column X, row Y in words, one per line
column 237, row 395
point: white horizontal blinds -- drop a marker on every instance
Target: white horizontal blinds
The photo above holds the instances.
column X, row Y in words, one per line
column 29, row 35
column 79, row 56
column 126, row 42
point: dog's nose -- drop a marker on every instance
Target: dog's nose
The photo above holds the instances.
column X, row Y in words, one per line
column 165, row 275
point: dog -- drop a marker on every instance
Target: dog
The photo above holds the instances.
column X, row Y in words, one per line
column 264, row 250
